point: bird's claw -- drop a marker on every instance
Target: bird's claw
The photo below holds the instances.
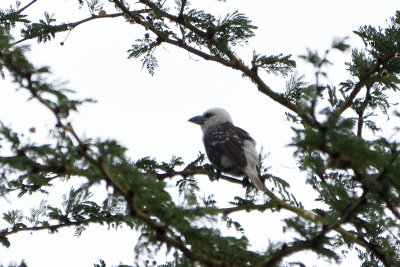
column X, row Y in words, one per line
column 217, row 174
column 246, row 181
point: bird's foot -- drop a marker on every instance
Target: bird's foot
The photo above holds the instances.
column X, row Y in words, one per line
column 246, row 181
column 217, row 175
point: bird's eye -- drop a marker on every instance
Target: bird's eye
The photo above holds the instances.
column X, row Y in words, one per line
column 208, row 115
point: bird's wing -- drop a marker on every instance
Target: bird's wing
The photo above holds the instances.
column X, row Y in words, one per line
column 229, row 147
column 226, row 140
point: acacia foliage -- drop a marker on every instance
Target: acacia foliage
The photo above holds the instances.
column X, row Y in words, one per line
column 356, row 178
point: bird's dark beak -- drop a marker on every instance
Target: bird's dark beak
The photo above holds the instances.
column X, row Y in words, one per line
column 198, row 120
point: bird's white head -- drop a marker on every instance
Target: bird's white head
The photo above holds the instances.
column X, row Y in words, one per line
column 211, row 118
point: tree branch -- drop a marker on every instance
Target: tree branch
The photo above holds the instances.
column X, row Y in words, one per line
column 288, row 250
column 54, row 227
column 310, row 216
column 347, row 103
column 247, row 208
column 77, row 23
column 182, row 9
column 233, row 62
column 361, row 110
column 165, row 233
column 377, row 252
column 317, row 239
column 186, row 173
column 26, row 6
column 162, row 233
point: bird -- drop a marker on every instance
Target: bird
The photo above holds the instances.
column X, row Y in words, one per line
column 229, row 148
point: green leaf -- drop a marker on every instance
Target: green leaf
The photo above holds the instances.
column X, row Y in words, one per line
column 4, row 241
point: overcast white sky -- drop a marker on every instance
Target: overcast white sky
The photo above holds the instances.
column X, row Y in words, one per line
column 149, row 114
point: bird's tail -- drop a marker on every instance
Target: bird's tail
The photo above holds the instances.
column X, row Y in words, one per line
column 252, row 173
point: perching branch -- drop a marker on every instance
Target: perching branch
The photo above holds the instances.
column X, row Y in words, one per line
column 163, row 233
column 105, row 161
column 186, row 173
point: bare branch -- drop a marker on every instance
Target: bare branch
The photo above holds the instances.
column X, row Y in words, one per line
column 25, row 7
column 182, row 9
column 260, row 207
column 186, row 173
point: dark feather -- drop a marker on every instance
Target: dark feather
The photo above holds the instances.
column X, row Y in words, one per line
column 224, row 147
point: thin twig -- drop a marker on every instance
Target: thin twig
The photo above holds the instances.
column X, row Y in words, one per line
column 182, row 9
column 72, row 25
column 186, row 173
column 361, row 111
column 54, row 227
column 246, row 208
column 374, row 69
column 318, row 88
column 25, row 7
